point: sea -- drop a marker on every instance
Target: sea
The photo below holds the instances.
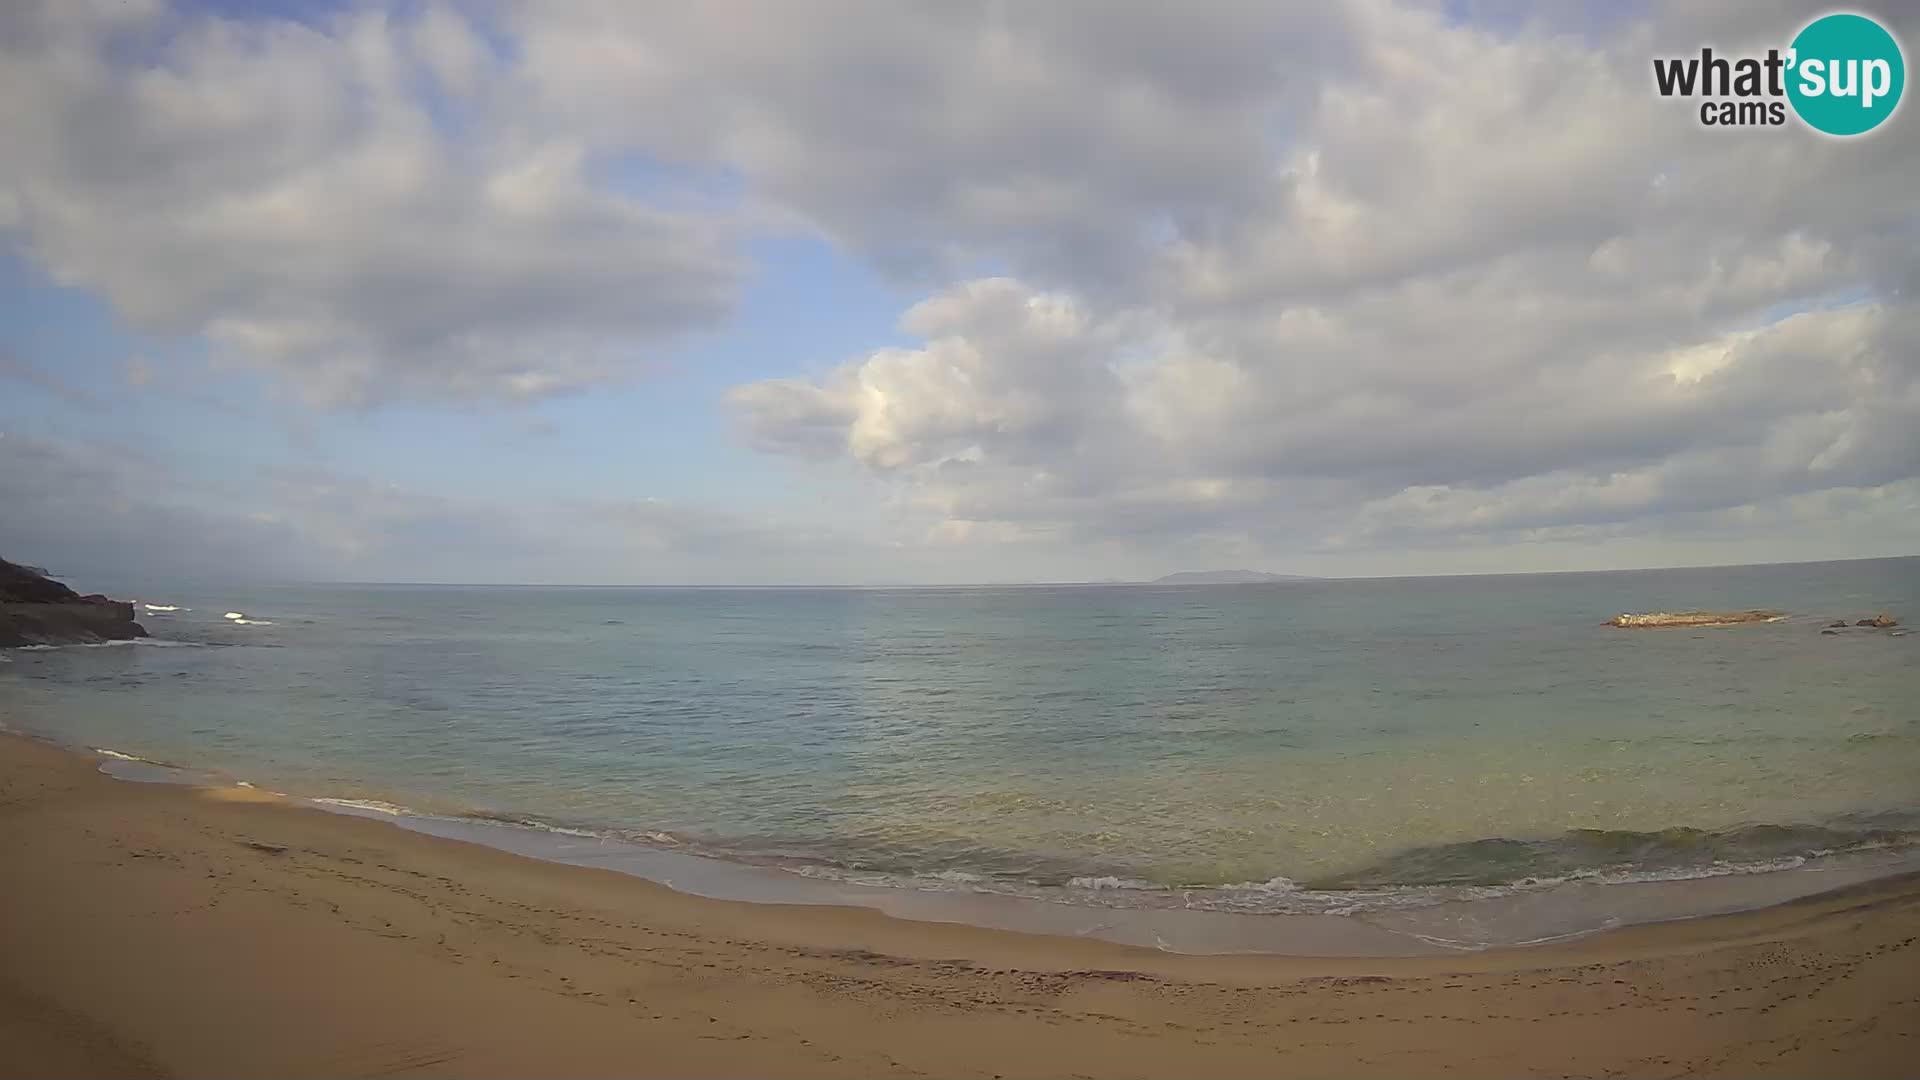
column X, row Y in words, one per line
column 1365, row 766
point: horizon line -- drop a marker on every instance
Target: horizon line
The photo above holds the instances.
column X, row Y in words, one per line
column 1114, row 583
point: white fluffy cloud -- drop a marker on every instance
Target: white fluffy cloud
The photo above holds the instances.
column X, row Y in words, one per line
column 340, row 203
column 1487, row 286
column 1022, row 409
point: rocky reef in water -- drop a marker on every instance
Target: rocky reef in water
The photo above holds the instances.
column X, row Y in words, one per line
column 37, row 610
column 1882, row 621
column 1655, row 619
column 1658, row 619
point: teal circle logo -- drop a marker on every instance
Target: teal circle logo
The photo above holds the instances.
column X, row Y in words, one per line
column 1846, row 74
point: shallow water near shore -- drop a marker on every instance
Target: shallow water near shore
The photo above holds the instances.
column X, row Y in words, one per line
column 1425, row 922
column 1448, row 762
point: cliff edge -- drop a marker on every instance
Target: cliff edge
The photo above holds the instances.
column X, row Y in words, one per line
column 37, row 610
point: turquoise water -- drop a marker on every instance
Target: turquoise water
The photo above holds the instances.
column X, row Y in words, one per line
column 1258, row 746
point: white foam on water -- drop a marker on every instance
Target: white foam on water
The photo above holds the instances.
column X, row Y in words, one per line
column 374, row 805
column 163, row 609
column 957, row 877
column 564, row 830
column 1108, row 881
column 105, row 752
column 835, row 873
column 1271, row 885
column 1279, row 895
column 542, row 826
column 233, row 615
column 1620, row 875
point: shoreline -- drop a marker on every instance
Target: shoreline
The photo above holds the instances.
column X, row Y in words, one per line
column 221, row 931
column 1384, row 922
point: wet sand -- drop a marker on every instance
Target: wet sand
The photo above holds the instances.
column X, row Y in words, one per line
column 155, row 930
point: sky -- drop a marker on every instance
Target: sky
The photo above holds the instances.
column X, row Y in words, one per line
column 824, row 292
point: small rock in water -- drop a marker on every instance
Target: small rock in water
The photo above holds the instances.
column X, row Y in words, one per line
column 1838, row 624
column 1830, row 630
column 1882, row 621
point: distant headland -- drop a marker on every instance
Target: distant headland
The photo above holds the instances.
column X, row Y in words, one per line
column 1225, row 577
column 37, row 610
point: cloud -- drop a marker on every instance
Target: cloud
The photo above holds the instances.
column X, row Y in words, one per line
column 1244, row 281
column 108, row 510
column 929, row 138
column 119, row 514
column 20, row 372
column 1487, row 286
column 1007, row 372
column 340, row 203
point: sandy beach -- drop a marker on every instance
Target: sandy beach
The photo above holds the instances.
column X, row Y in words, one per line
column 156, row 930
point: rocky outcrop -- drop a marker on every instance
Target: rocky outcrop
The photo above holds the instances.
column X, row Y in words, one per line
column 37, row 610
column 1882, row 621
column 1656, row 619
